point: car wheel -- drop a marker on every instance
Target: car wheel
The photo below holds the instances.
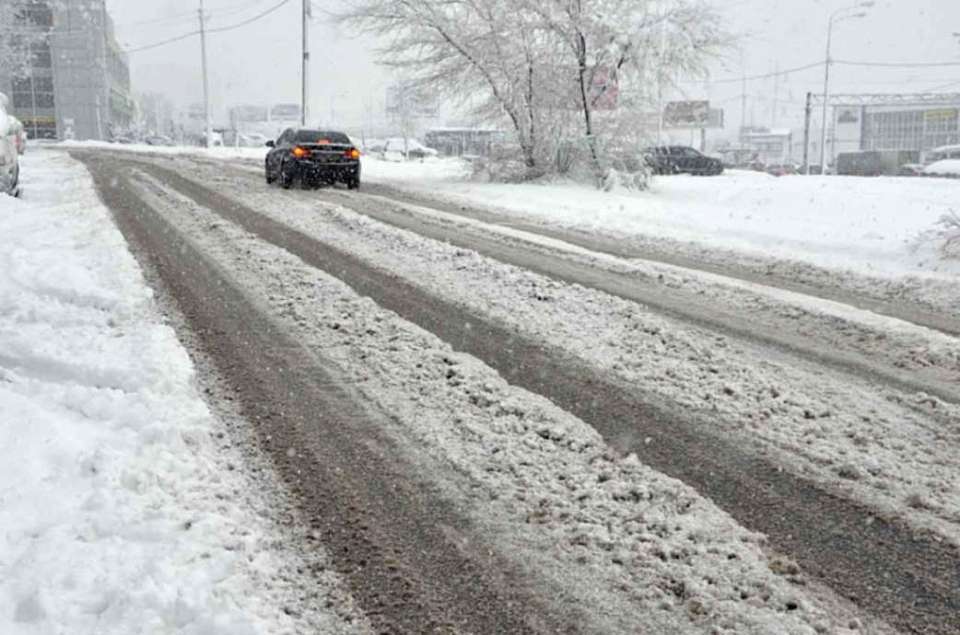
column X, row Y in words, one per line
column 270, row 177
column 353, row 184
column 286, row 178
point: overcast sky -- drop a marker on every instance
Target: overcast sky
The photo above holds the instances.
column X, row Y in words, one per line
column 260, row 63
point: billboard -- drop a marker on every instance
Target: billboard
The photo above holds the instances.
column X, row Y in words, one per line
column 604, row 88
column 687, row 114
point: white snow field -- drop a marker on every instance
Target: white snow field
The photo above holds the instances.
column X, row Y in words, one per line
column 873, row 226
column 120, row 512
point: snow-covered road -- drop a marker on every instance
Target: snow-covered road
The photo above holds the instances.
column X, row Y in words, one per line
column 599, row 439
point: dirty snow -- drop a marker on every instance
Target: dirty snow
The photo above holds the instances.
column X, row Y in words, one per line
column 889, row 449
column 639, row 550
column 120, row 508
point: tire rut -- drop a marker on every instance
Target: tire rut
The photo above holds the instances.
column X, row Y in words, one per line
column 903, row 575
column 411, row 562
column 937, row 321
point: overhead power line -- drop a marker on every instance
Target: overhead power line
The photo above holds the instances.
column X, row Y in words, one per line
column 259, row 16
column 734, row 80
column 897, row 64
column 222, row 29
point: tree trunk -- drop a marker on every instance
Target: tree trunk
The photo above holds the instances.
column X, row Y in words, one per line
column 587, row 110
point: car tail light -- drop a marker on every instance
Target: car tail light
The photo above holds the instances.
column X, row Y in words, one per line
column 352, row 153
column 300, row 153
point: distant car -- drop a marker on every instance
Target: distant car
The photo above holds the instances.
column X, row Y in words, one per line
column 311, row 157
column 682, row 160
column 783, row 169
column 253, row 140
column 409, row 149
column 9, row 155
column 910, row 169
column 944, row 167
column 158, row 140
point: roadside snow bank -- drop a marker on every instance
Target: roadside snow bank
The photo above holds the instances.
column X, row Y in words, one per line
column 868, row 225
column 119, row 513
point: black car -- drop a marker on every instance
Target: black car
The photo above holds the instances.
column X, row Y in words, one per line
column 682, row 160
column 310, row 157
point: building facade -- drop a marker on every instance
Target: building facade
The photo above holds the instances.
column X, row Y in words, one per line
column 76, row 83
column 906, row 125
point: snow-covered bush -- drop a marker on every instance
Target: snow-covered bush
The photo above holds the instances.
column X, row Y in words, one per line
column 950, row 224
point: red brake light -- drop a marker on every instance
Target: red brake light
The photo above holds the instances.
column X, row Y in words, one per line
column 352, row 153
column 300, row 153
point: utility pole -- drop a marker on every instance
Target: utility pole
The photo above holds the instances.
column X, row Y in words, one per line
column 207, row 126
column 808, row 110
column 836, row 16
column 305, row 71
column 826, row 101
column 743, row 103
column 776, row 95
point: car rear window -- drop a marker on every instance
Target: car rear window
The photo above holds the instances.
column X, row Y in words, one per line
column 322, row 136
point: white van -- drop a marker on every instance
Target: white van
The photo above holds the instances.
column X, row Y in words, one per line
column 9, row 156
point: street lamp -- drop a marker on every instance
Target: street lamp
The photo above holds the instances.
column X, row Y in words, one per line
column 836, row 16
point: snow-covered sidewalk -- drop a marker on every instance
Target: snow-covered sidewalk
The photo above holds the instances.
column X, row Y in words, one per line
column 120, row 508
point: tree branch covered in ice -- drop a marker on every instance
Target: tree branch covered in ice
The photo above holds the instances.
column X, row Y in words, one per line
column 571, row 79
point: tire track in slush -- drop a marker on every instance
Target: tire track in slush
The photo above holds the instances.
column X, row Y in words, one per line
column 412, row 563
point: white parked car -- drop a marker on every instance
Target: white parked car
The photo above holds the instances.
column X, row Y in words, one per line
column 19, row 134
column 409, row 149
column 9, row 155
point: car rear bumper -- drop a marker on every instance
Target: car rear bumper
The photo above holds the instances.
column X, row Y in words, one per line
column 332, row 171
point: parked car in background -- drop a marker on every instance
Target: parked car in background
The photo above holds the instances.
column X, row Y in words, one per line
column 910, row 169
column 944, row 167
column 681, row 160
column 311, row 157
column 158, row 140
column 19, row 134
column 9, row 153
column 252, row 140
column 407, row 149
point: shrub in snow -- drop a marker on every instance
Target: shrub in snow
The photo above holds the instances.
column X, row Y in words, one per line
column 950, row 222
column 615, row 179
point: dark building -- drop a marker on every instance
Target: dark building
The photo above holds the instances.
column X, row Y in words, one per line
column 76, row 80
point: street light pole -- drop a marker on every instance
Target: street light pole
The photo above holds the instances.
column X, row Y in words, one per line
column 207, row 127
column 834, row 17
column 305, row 78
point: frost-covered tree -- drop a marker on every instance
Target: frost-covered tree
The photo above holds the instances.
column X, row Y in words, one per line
column 461, row 49
column 607, row 44
column 566, row 74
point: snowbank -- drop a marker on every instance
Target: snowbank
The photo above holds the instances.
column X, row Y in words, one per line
column 868, row 225
column 117, row 508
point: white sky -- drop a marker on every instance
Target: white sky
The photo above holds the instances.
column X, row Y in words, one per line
column 261, row 62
